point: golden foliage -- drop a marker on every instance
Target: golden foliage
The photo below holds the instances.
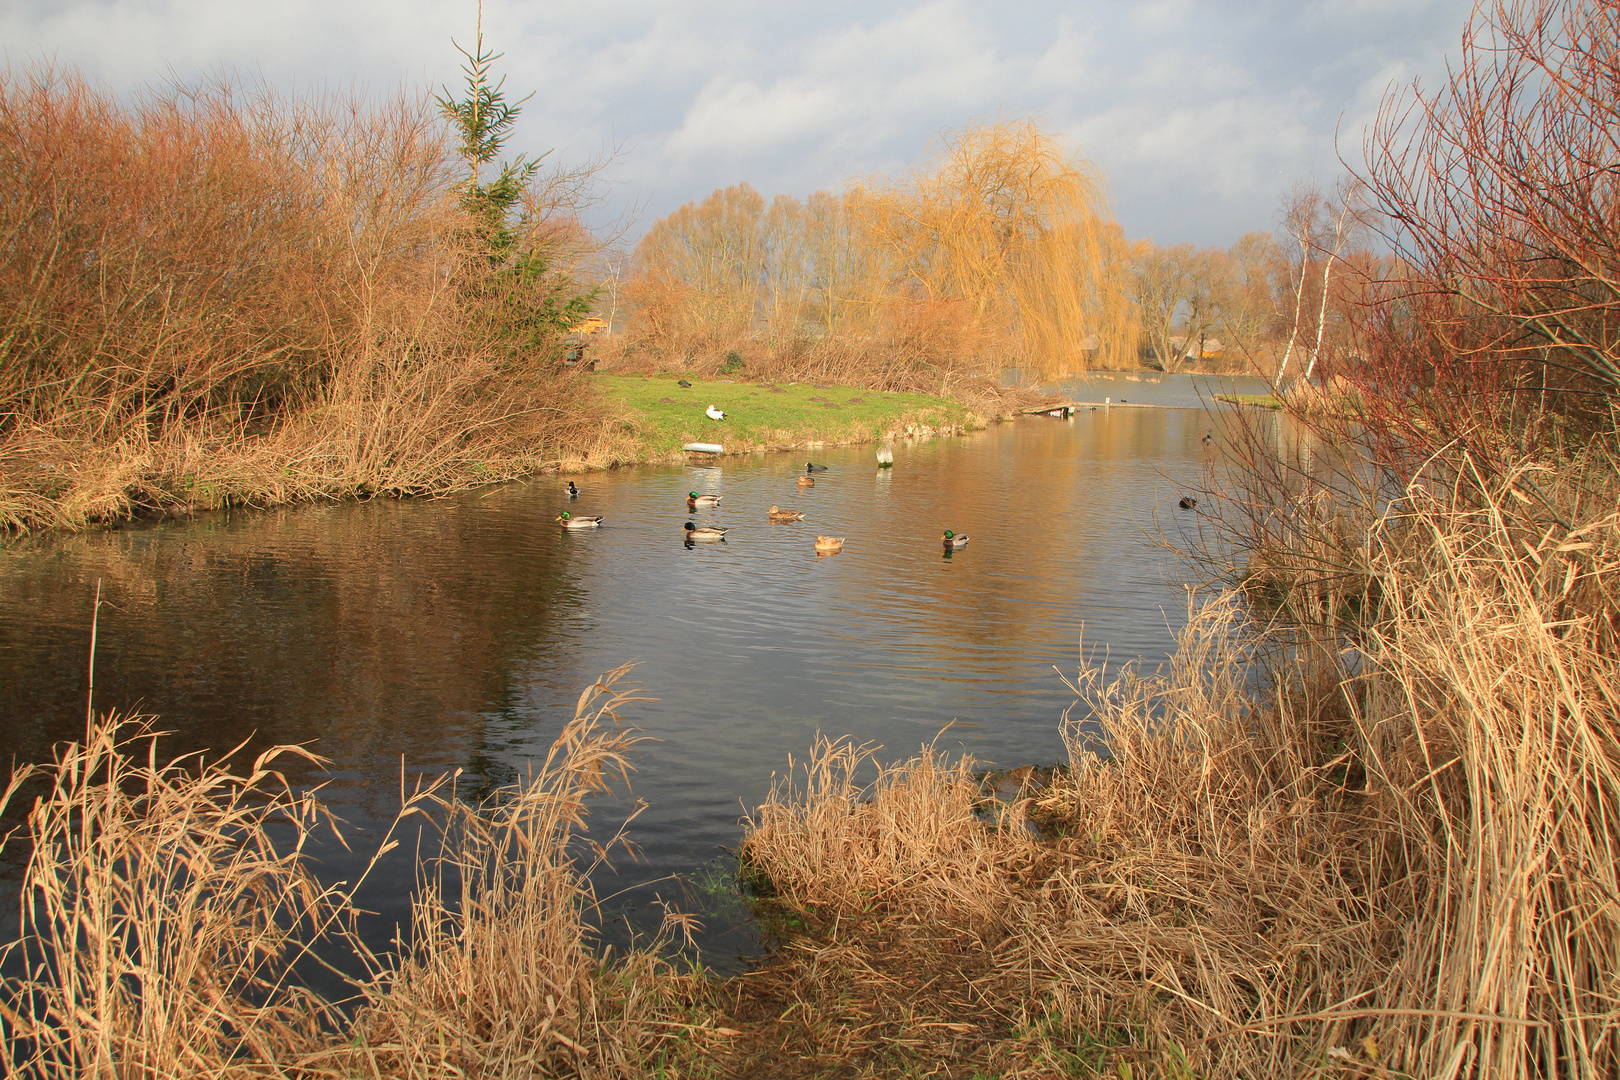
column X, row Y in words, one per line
column 1004, row 229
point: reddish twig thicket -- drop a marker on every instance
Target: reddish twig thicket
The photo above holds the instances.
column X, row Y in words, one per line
column 1500, row 191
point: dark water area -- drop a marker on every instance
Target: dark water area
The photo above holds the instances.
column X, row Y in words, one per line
column 434, row 635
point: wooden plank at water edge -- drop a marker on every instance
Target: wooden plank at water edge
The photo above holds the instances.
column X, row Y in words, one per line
column 1069, row 408
column 703, row 453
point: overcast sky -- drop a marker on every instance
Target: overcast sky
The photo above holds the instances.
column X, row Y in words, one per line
column 1201, row 113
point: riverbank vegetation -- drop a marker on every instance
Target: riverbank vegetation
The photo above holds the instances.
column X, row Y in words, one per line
column 265, row 300
column 272, row 300
column 1362, row 825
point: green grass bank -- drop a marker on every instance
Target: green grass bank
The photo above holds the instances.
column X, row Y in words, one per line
column 660, row 416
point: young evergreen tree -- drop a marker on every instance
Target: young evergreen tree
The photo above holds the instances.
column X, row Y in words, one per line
column 530, row 305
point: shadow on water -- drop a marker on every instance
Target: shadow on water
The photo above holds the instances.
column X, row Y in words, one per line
column 458, row 633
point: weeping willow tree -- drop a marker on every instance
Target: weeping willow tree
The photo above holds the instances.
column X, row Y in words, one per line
column 1007, row 224
column 1003, row 244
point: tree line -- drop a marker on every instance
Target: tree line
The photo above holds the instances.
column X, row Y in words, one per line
column 999, row 251
column 1004, row 245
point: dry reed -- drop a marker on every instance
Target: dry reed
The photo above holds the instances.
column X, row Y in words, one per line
column 499, row 978
column 1302, row 854
column 165, row 908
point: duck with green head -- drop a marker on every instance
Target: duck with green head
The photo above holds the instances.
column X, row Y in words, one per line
column 955, row 540
column 694, row 531
column 571, row 521
column 694, row 500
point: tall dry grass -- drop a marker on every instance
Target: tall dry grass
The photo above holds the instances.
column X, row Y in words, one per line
column 166, row 907
column 258, row 299
column 1305, row 852
column 500, row 978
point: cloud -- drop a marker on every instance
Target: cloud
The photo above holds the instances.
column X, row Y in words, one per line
column 1201, row 111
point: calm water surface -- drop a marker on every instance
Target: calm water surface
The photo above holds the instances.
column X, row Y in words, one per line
column 458, row 633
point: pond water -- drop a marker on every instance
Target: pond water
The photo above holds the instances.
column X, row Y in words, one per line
column 458, row 633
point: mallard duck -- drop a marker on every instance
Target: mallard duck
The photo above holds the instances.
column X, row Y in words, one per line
column 1188, row 503
column 694, row 500
column 573, row 490
column 811, row 466
column 827, row 545
column 805, row 481
column 569, row 521
column 776, row 513
column 704, row 532
column 954, row 540
column 713, row 413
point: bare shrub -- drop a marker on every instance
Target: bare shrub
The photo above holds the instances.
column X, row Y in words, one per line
column 1498, row 190
column 280, row 284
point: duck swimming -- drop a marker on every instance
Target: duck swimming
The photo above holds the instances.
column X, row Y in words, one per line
column 573, row 490
column 805, row 481
column 694, row 500
column 569, row 521
column 776, row 513
column 954, row 540
column 1188, row 503
column 812, row 467
column 827, row 545
column 704, row 532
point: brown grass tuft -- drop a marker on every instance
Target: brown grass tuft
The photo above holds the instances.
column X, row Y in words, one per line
column 163, row 909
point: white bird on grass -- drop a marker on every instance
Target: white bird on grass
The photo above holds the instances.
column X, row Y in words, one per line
column 713, row 413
